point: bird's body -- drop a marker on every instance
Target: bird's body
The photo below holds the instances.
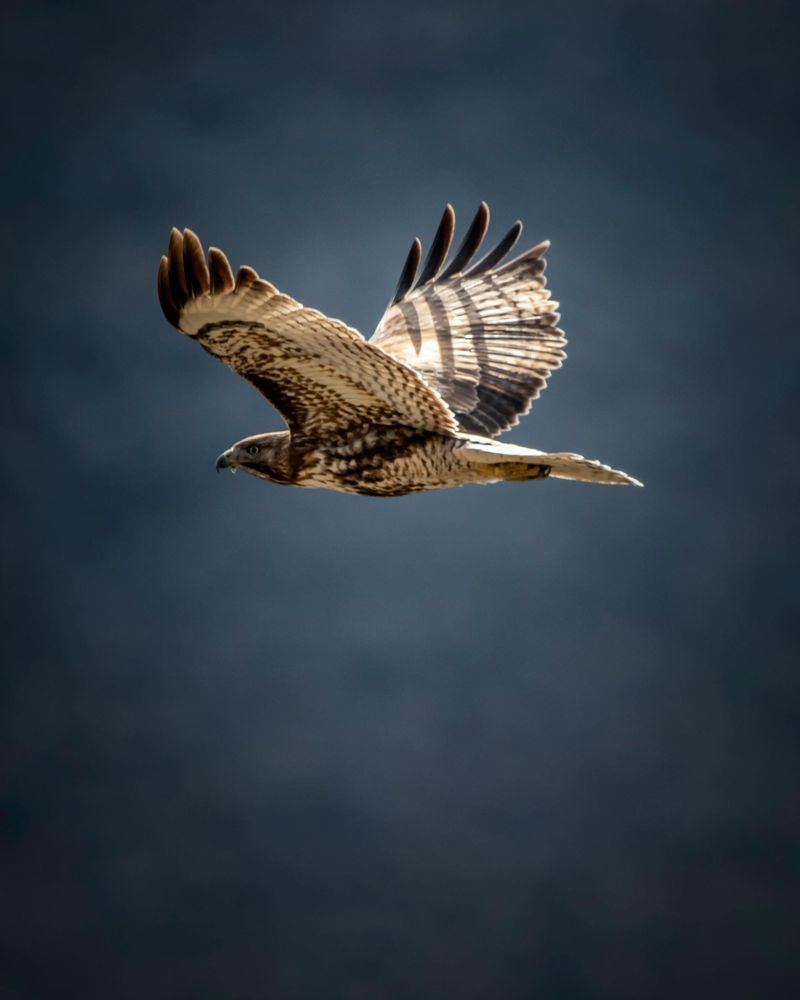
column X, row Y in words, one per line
column 457, row 357
column 377, row 461
column 372, row 461
column 390, row 461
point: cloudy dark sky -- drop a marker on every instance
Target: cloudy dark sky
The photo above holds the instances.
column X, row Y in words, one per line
column 527, row 740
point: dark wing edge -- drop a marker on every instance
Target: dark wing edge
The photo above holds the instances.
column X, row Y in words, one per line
column 184, row 274
column 440, row 246
column 485, row 336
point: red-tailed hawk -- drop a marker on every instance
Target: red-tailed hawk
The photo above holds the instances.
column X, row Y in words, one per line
column 459, row 355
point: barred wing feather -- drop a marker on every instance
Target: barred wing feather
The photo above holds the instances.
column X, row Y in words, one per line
column 485, row 337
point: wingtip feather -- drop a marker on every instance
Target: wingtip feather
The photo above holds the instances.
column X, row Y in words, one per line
column 470, row 244
column 168, row 307
column 409, row 271
column 184, row 273
column 222, row 279
column 246, row 277
column 195, row 268
column 177, row 277
column 499, row 252
column 439, row 247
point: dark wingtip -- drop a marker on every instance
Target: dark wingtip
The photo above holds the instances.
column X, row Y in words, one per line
column 165, row 298
column 533, row 257
column 246, row 277
column 222, row 279
column 177, row 274
column 470, row 244
column 408, row 272
column 535, row 252
column 184, row 273
column 195, row 268
column 439, row 247
column 495, row 256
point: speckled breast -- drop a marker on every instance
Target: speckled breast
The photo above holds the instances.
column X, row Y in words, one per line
column 383, row 461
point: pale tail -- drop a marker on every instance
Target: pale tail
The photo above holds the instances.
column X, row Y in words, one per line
column 565, row 465
column 513, row 462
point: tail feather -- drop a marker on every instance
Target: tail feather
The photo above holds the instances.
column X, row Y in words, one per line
column 516, row 463
column 566, row 465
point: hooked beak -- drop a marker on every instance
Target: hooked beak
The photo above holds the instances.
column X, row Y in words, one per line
column 222, row 461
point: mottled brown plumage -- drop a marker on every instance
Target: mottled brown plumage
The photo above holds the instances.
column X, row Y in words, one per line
column 458, row 357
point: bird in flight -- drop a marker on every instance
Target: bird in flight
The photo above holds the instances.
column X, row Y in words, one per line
column 460, row 354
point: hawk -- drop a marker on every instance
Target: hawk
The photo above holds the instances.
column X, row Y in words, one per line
column 460, row 354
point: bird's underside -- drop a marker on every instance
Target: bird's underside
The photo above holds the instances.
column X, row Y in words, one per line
column 459, row 355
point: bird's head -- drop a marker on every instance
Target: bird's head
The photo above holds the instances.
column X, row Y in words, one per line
column 262, row 455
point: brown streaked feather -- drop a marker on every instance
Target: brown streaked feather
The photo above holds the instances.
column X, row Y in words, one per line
column 222, row 279
column 439, row 247
column 486, row 339
column 319, row 373
column 470, row 245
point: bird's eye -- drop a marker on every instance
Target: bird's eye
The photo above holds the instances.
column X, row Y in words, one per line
column 253, row 449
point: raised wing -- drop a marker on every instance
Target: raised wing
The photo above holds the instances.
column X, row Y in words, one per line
column 486, row 338
column 320, row 374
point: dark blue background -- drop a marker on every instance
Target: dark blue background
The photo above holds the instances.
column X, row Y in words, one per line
column 528, row 740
